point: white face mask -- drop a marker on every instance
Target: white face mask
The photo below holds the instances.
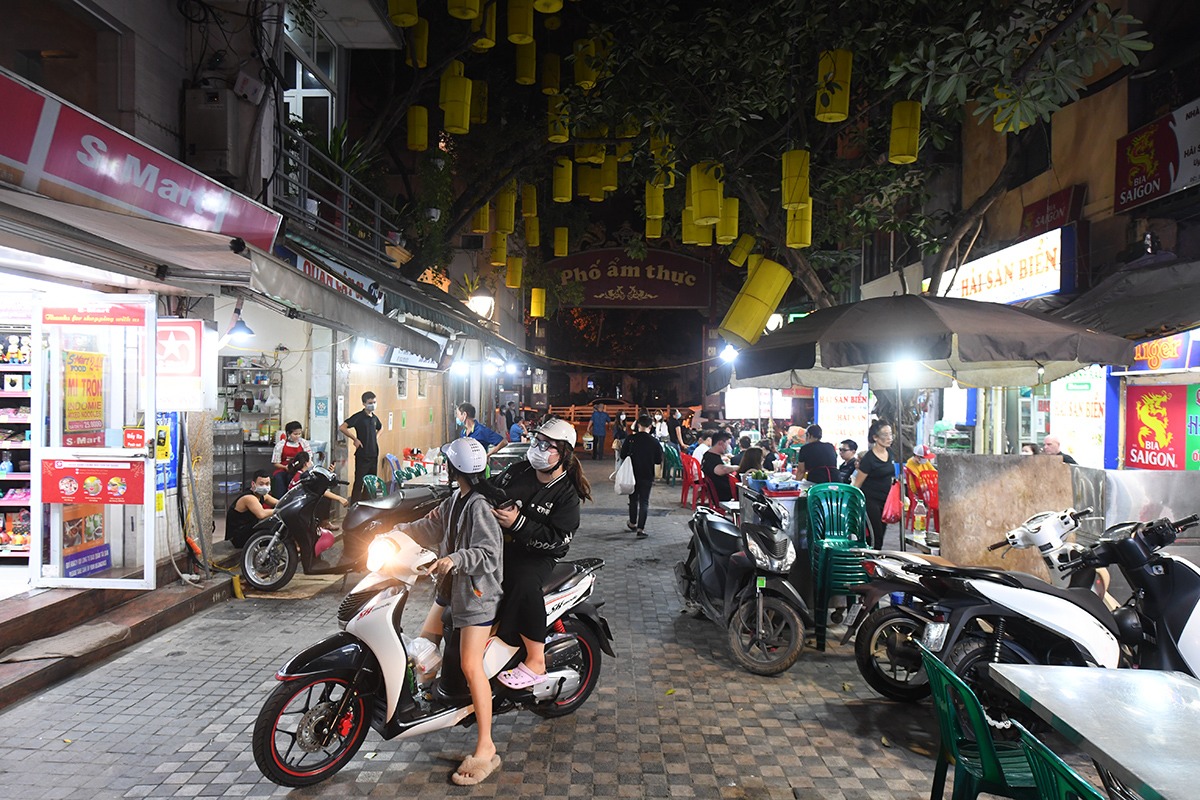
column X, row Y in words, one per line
column 261, row 489
column 370, row 406
column 658, row 417
column 541, row 460
column 678, row 415
column 622, row 417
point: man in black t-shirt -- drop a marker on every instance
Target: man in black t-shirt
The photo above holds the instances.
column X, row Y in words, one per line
column 363, row 428
column 817, row 461
column 714, row 467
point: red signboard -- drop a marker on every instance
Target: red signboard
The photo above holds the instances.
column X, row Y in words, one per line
column 1156, row 427
column 115, row 314
column 112, row 483
column 53, row 148
column 133, row 438
column 1059, row 209
column 611, row 279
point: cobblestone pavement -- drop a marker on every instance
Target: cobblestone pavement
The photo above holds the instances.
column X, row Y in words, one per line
column 672, row 717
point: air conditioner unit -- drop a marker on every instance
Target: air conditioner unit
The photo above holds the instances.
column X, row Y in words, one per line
column 471, row 241
column 212, row 143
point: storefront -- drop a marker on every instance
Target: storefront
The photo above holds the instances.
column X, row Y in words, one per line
column 1160, row 419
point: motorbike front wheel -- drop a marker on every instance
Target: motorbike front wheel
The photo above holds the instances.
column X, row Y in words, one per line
column 590, row 659
column 887, row 658
column 268, row 568
column 779, row 646
column 301, row 737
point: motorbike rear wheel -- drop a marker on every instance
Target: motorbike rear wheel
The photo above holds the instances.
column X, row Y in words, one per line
column 297, row 716
column 967, row 659
column 781, row 646
column 591, row 658
column 267, row 568
column 887, row 658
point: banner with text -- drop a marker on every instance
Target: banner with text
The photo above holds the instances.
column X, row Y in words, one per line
column 83, row 392
column 1043, row 264
column 1077, row 408
column 1158, row 159
column 110, row 483
column 1156, row 427
column 609, row 278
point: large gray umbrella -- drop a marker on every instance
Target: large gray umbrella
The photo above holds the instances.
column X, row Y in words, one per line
column 923, row 342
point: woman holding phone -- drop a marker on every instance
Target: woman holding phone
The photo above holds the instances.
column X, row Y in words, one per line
column 538, row 521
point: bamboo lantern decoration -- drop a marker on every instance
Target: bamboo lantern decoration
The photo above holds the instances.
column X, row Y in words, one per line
column 403, row 13
column 506, row 209
column 463, row 9
column 561, row 242
column 499, row 255
column 533, row 232
column 799, row 227
column 755, row 303
column 551, row 73
column 529, row 200
column 485, row 25
column 418, row 128
column 654, row 228
column 833, row 85
column 561, row 188
column 453, row 69
column 727, row 226
column 627, row 129
column 753, row 261
column 512, row 272
column 547, row 6
column 608, row 173
column 557, row 119
column 527, row 64
column 795, row 178
column 479, row 102
column 655, row 205
column 592, row 177
column 585, row 57
column 537, row 302
column 664, row 178
column 745, row 243
column 663, row 154
column 704, row 235
column 707, row 192
column 457, row 118
column 520, row 21
column 1002, row 121
column 418, row 50
column 481, row 220
column 690, row 234
column 906, row 130
column 591, row 153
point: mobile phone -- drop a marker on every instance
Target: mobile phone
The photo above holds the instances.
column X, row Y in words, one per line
column 508, row 504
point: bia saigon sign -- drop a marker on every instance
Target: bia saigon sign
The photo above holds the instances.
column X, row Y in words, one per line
column 611, row 279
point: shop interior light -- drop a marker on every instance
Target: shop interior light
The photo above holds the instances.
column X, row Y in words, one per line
column 460, row 368
column 365, row 353
column 729, row 353
column 240, row 332
column 489, row 368
column 510, row 368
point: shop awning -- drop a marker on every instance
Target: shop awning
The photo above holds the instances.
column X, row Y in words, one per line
column 1150, row 297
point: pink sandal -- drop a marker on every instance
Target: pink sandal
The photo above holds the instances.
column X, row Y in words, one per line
column 520, row 678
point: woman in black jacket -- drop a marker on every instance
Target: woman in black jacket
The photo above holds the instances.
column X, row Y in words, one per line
column 545, row 492
column 644, row 452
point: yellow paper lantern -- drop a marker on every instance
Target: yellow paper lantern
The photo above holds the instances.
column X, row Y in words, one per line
column 520, row 21
column 527, row 64
column 512, row 273
column 654, row 228
column 457, row 118
column 479, row 102
column 755, row 303
column 537, row 302
column 529, row 200
column 481, row 220
column 557, row 120
column 753, row 261
column 664, row 178
column 418, row 128
column 561, row 241
column 727, row 226
column 1002, row 121
column 454, row 68
column 608, row 173
column 463, row 9
column 403, row 13
column 561, row 188
column 704, row 235
column 833, row 85
column 627, row 129
column 551, row 73
column 795, row 178
column 485, row 25
column 655, row 205
column 689, row 231
column 499, row 255
column 506, row 209
column 585, row 59
column 591, row 176
column 418, row 46
column 799, row 227
column 906, row 129
column 547, row 6
column 706, row 191
column 533, row 232
column 745, row 243
column 590, row 153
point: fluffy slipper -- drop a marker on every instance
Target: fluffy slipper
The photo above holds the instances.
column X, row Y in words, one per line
column 520, row 678
column 474, row 770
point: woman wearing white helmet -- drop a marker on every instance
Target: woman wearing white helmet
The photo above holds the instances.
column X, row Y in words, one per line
column 468, row 539
column 547, row 488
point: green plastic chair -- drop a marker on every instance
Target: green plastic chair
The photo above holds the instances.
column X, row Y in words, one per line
column 1054, row 777
column 981, row 764
column 672, row 464
column 836, row 530
column 373, row 487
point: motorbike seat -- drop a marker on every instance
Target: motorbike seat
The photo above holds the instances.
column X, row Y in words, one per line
column 720, row 536
column 1079, row 596
column 562, row 572
column 388, row 503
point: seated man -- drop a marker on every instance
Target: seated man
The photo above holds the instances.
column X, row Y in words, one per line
column 253, row 504
column 714, row 467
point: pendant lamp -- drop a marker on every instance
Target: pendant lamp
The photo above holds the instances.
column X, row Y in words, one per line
column 529, row 200
column 745, row 243
column 418, row 128
column 512, row 272
column 690, row 234
column 520, row 21
column 526, row 71
column 561, row 236
column 418, row 51
column 754, row 304
column 481, row 220
column 402, row 13
column 833, row 85
column 499, row 254
column 463, row 9
column 906, row 128
column 727, row 226
column 594, row 181
column 547, row 6
column 506, row 208
column 704, row 235
column 561, row 185
column 795, row 178
column 537, row 302
column 453, row 69
column 533, row 232
column 457, row 118
column 485, row 25
column 551, row 73
column 654, row 228
column 799, row 227
column 585, row 58
column 655, row 205
column 707, row 192
column 608, row 173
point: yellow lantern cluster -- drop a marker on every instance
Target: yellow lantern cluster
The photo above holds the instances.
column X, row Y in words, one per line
column 485, row 25
column 551, row 73
column 585, row 60
column 704, row 235
column 654, row 228
column 506, row 208
column 537, row 302
column 557, row 120
column 520, row 21
column 627, row 129
column 755, row 303
column 906, row 132
column 403, row 13
column 752, row 263
column 499, row 255
column 655, row 204
column 798, row 233
column 479, row 102
column 481, row 220
column 512, row 273
column 418, row 46
column 745, row 243
column 591, row 153
column 561, row 185
column 706, row 192
column 608, row 173
column 561, row 241
column 529, row 200
column 833, row 85
column 527, row 64
column 726, row 229
column 533, row 232
column 457, row 118
column 463, row 9
column 418, row 128
column 591, row 182
column 795, row 178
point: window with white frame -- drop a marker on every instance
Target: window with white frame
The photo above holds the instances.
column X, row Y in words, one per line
column 309, row 73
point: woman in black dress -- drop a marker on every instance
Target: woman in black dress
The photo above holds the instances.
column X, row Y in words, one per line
column 876, row 471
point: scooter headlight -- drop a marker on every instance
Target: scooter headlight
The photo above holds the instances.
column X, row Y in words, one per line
column 381, row 551
column 764, row 561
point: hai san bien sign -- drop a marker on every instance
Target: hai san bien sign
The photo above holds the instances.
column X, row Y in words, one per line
column 611, row 279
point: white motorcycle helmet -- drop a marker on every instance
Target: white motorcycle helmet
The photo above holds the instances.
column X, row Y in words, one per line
column 559, row 430
column 467, row 456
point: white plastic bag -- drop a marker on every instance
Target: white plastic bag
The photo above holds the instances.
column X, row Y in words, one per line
column 623, row 480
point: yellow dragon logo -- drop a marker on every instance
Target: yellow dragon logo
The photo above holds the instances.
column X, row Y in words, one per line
column 1152, row 413
column 1140, row 153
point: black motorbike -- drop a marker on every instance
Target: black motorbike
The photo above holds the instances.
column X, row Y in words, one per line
column 286, row 540
column 739, row 579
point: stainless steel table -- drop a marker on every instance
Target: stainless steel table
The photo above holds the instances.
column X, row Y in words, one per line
column 1139, row 725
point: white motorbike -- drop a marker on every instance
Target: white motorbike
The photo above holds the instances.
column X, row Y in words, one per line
column 372, row 675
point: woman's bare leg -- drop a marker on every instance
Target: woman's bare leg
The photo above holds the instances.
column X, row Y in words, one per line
column 471, row 643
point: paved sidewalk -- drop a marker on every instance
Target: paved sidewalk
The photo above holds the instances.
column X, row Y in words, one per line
column 672, row 717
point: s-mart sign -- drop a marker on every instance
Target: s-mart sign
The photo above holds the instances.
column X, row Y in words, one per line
column 53, row 148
